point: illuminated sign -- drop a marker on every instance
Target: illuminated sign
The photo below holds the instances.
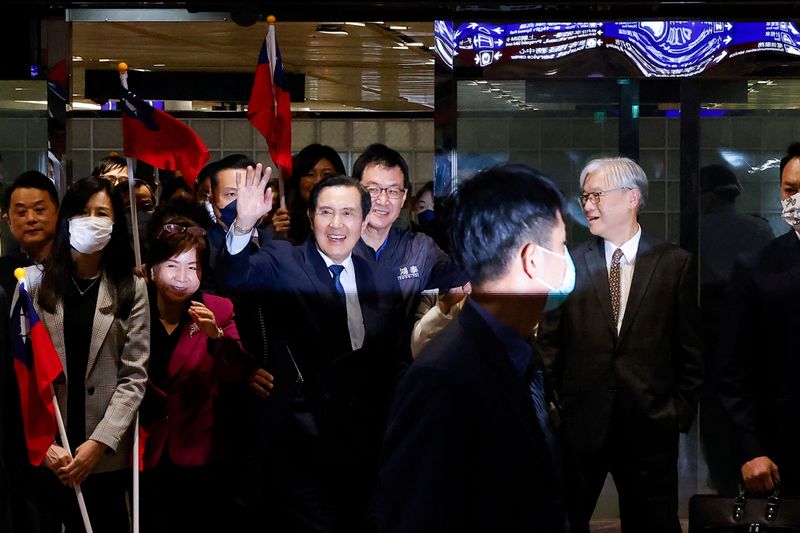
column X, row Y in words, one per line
column 657, row 48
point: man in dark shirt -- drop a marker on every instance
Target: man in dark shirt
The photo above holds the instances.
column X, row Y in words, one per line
column 30, row 208
column 472, row 444
column 417, row 262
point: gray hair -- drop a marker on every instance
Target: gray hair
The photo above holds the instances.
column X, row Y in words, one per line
column 620, row 172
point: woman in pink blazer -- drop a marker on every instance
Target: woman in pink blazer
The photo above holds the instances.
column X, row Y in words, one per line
column 194, row 344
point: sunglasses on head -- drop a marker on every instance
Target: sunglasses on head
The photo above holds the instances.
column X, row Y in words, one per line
column 177, row 228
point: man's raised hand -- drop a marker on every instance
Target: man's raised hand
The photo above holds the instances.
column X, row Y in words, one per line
column 254, row 198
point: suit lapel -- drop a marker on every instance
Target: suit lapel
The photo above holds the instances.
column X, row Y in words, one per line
column 103, row 317
column 320, row 277
column 185, row 351
column 595, row 257
column 367, row 296
column 647, row 257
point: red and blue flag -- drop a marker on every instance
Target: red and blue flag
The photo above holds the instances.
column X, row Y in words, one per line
column 158, row 138
column 37, row 365
column 269, row 109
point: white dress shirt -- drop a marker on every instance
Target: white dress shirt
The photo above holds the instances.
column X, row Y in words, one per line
column 626, row 264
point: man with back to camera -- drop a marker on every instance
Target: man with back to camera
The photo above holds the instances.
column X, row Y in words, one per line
column 473, row 441
column 418, row 263
column 337, row 313
column 625, row 351
column 757, row 354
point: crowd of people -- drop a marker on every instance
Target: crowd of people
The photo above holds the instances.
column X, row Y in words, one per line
column 311, row 365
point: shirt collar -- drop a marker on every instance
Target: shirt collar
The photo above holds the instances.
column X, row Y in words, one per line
column 629, row 248
column 347, row 263
column 519, row 350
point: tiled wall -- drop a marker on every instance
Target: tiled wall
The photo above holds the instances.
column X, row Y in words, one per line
column 23, row 143
column 90, row 139
column 559, row 147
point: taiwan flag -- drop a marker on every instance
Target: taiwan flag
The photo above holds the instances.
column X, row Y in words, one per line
column 269, row 109
column 158, row 138
column 37, row 365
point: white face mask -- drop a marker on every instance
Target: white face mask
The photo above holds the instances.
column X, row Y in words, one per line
column 90, row 234
column 791, row 211
column 558, row 295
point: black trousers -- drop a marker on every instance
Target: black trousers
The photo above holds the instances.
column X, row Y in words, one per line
column 106, row 502
column 643, row 461
column 175, row 499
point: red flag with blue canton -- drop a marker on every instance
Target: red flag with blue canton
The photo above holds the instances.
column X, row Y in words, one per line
column 159, row 139
column 269, row 109
column 37, row 365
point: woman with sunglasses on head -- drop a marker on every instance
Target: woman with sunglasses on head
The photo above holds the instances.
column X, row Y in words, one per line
column 95, row 312
column 195, row 343
column 310, row 165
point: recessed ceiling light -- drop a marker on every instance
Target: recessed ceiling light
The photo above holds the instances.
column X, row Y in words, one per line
column 77, row 59
column 359, row 24
column 414, row 43
column 398, row 28
column 105, row 60
column 159, row 65
column 399, row 47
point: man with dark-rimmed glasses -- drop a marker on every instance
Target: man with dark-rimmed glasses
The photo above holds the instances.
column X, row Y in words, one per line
column 625, row 351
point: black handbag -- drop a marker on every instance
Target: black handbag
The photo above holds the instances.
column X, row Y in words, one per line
column 740, row 514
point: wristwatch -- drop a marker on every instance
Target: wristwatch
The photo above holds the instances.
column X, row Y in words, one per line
column 220, row 334
column 238, row 230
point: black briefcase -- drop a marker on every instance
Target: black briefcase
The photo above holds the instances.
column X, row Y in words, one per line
column 743, row 514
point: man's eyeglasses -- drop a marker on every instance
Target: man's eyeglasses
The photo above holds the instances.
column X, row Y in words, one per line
column 594, row 197
column 394, row 193
column 169, row 229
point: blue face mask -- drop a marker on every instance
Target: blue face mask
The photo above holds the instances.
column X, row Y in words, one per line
column 558, row 295
column 228, row 214
column 426, row 217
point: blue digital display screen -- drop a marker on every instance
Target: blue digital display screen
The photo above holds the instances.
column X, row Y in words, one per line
column 657, row 48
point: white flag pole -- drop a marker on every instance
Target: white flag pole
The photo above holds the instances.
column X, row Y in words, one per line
column 137, row 250
column 63, row 432
column 272, row 58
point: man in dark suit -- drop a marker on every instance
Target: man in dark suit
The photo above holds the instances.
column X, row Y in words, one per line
column 625, row 351
column 471, row 444
column 333, row 382
column 757, row 351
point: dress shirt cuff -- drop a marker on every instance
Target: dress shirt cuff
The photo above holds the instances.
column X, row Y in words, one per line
column 236, row 243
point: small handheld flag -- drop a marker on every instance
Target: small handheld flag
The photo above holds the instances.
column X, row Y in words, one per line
column 37, row 365
column 158, row 138
column 270, row 109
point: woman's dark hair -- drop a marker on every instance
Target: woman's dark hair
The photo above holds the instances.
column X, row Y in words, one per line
column 164, row 244
column 178, row 207
column 302, row 163
column 173, row 185
column 428, row 187
column 117, row 263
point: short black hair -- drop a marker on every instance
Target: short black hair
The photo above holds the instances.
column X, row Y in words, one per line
column 495, row 212
column 791, row 152
column 108, row 163
column 382, row 155
column 340, row 181
column 235, row 162
column 31, row 179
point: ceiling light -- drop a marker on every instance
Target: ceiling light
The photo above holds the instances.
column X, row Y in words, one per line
column 399, row 47
column 414, row 43
column 77, row 59
column 359, row 24
column 105, row 60
column 331, row 29
column 398, row 28
column 159, row 65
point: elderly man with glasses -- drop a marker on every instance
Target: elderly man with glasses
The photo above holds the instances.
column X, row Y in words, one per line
column 625, row 351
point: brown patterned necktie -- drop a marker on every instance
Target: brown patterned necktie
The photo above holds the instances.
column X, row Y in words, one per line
column 614, row 283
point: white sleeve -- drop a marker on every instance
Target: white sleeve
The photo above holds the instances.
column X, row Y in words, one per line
column 236, row 243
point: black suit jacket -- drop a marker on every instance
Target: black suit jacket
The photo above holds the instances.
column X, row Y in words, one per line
column 647, row 376
column 464, row 450
column 758, row 355
column 347, row 391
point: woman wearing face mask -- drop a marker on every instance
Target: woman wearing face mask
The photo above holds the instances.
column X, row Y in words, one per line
column 311, row 165
column 194, row 344
column 95, row 311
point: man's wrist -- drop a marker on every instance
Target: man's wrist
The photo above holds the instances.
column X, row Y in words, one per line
column 242, row 229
